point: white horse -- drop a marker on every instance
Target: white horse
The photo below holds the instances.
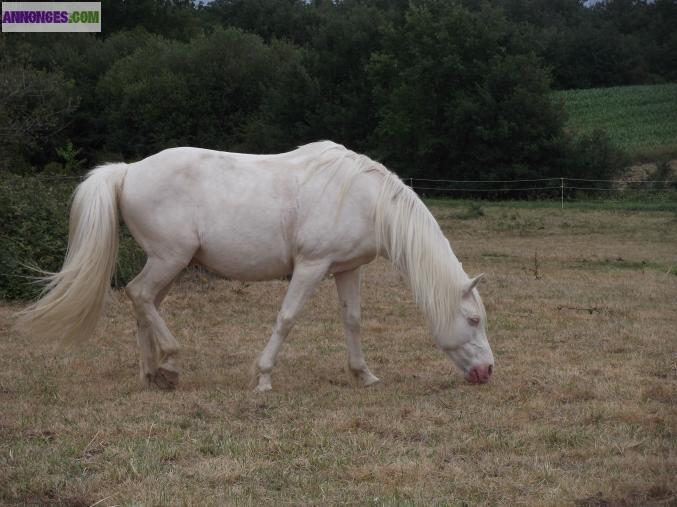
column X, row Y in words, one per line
column 317, row 210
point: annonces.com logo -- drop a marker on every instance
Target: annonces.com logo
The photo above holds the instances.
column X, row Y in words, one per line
column 51, row 16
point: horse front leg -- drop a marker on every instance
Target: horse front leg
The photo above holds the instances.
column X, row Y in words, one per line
column 304, row 281
column 348, row 288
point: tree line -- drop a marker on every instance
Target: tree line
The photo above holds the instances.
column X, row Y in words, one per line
column 433, row 88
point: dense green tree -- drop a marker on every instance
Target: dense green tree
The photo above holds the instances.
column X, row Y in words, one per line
column 461, row 95
column 288, row 115
column 361, row 72
column 35, row 106
column 291, row 20
column 338, row 39
column 226, row 90
column 173, row 19
column 341, row 49
column 613, row 42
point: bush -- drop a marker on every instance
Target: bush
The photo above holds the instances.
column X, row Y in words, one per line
column 592, row 155
column 34, row 234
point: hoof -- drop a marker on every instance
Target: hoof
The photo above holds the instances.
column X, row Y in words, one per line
column 369, row 380
column 263, row 388
column 263, row 384
column 164, row 379
column 365, row 377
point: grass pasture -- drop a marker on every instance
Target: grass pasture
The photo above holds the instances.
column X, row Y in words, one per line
column 642, row 120
column 581, row 409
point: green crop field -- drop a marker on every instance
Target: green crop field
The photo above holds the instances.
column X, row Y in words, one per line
column 642, row 120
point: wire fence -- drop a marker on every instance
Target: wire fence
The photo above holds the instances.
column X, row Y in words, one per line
column 562, row 188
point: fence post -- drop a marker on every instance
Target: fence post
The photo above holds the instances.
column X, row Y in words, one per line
column 411, row 183
column 562, row 191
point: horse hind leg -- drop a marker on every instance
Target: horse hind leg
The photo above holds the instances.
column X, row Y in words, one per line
column 158, row 347
column 149, row 356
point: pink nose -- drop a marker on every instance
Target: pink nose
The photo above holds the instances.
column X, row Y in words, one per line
column 479, row 374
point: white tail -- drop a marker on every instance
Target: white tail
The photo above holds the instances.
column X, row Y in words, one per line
column 74, row 298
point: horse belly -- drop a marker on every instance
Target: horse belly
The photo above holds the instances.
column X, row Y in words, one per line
column 236, row 264
column 246, row 253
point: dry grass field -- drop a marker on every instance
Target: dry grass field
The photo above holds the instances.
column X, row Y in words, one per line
column 581, row 410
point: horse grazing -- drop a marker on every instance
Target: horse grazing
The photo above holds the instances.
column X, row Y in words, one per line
column 320, row 209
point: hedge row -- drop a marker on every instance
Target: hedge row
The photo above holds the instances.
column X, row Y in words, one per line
column 34, row 234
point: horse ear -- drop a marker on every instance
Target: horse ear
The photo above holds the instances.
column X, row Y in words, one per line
column 472, row 283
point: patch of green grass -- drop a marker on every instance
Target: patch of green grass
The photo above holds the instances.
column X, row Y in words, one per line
column 641, row 120
column 518, row 223
column 473, row 210
column 657, row 203
column 620, row 263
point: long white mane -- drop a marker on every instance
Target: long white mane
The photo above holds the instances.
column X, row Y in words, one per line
column 413, row 241
column 408, row 235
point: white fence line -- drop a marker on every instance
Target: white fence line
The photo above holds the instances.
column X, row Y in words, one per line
column 411, row 180
column 483, row 181
column 555, row 178
column 487, row 189
column 583, row 184
column 523, row 189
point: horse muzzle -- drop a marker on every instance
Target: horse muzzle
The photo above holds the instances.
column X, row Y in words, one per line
column 479, row 374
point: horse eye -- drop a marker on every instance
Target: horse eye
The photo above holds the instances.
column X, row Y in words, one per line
column 474, row 321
